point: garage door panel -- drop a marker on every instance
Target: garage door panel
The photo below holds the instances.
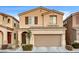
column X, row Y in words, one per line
column 47, row 40
column 0, row 38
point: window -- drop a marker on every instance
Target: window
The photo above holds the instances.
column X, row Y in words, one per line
column 53, row 19
column 14, row 24
column 15, row 36
column 30, row 20
column 36, row 20
column 8, row 20
column 26, row 20
column 3, row 18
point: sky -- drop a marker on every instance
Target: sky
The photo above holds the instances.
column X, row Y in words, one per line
column 15, row 10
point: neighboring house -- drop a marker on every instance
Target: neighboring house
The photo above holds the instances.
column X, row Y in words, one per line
column 45, row 25
column 8, row 30
column 72, row 25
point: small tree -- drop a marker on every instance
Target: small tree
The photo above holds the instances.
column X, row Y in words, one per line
column 29, row 36
column 28, row 47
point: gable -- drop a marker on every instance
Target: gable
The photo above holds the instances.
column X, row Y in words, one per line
column 42, row 10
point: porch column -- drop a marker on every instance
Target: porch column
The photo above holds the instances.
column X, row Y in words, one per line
column 4, row 42
column 63, row 42
column 1, row 38
column 19, row 38
column 32, row 39
column 12, row 40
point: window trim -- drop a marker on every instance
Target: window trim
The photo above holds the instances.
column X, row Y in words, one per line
column 56, row 18
column 30, row 20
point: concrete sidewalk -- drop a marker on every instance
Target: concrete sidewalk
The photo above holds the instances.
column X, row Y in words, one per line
column 40, row 49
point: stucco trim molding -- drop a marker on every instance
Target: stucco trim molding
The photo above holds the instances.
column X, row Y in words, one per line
column 7, row 27
column 76, row 28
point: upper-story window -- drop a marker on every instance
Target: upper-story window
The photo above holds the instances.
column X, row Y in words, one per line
column 26, row 20
column 31, row 20
column 53, row 19
column 8, row 20
column 36, row 20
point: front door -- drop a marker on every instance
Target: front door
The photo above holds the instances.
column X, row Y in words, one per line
column 9, row 37
column 24, row 37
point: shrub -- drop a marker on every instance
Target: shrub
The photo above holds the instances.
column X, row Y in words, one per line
column 75, row 45
column 69, row 47
column 4, row 46
column 9, row 47
column 27, row 47
column 17, row 46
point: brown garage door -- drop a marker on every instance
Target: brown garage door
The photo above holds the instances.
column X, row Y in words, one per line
column 47, row 40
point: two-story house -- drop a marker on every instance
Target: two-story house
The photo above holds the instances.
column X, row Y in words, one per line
column 46, row 27
column 72, row 25
column 8, row 30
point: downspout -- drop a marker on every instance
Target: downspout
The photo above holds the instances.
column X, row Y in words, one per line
column 42, row 20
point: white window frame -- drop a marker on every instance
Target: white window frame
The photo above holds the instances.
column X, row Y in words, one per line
column 31, row 20
column 53, row 20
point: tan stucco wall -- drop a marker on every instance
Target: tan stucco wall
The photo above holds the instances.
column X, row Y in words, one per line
column 77, row 35
column 40, row 21
column 4, row 40
column 5, row 30
column 14, row 41
column 9, row 24
column 71, row 33
column 74, row 20
column 1, row 17
column 59, row 19
column 4, row 36
column 5, row 21
column 60, row 32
